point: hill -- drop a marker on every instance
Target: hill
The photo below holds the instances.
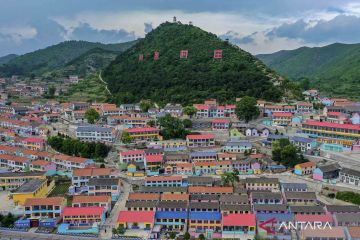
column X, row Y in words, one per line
column 199, row 77
column 55, row 57
column 7, row 58
column 334, row 69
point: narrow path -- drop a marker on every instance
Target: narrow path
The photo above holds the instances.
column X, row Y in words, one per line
column 106, row 87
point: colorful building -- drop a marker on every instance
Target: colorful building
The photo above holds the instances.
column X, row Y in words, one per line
column 281, row 118
column 207, row 223
column 37, row 209
column 306, row 168
column 201, row 140
column 34, row 188
column 83, row 216
column 239, row 226
column 13, row 180
column 145, row 133
column 136, row 220
column 92, row 201
column 105, row 187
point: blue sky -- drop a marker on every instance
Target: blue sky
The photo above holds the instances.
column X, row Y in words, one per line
column 258, row 26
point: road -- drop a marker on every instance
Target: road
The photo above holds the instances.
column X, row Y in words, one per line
column 9, row 235
column 106, row 87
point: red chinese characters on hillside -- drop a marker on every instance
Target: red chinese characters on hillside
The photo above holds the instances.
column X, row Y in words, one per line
column 156, row 55
column 217, row 54
column 184, row 53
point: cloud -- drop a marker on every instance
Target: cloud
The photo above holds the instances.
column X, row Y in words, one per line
column 236, row 38
column 342, row 28
column 85, row 32
column 148, row 27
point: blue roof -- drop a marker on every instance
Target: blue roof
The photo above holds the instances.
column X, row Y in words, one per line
column 212, row 216
column 171, row 214
column 202, row 154
column 93, row 129
column 277, row 216
column 302, row 139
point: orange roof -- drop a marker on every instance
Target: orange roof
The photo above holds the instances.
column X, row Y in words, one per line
column 44, row 154
column 174, row 197
column 164, row 178
column 40, row 163
column 354, row 232
column 307, row 164
column 205, row 164
column 184, row 165
column 62, row 157
column 77, row 159
column 92, row 172
column 29, row 152
column 223, row 162
column 44, row 201
column 226, row 155
column 9, row 148
column 13, row 158
column 144, row 196
column 205, row 190
column 91, row 199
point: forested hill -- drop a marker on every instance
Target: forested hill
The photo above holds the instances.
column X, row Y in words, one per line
column 334, row 69
column 55, row 57
column 199, row 77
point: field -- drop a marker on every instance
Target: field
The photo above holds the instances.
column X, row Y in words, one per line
column 61, row 189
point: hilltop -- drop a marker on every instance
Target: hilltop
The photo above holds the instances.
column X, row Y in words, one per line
column 334, row 69
column 199, row 77
column 65, row 54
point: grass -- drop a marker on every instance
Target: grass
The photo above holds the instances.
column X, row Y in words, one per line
column 61, row 189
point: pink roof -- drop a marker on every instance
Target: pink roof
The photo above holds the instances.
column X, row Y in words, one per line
column 153, row 158
column 313, row 218
column 201, row 107
column 77, row 211
column 136, row 216
column 145, row 129
column 334, row 113
column 200, row 136
column 230, row 106
column 34, row 140
column 220, row 108
column 238, row 219
column 282, row 114
column 220, row 121
column 333, row 125
column 132, row 152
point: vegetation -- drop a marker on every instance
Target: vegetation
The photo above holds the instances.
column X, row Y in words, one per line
column 351, row 197
column 91, row 115
column 7, row 58
column 229, row 178
column 53, row 58
column 190, row 110
column 7, row 221
column 74, row 147
column 145, row 105
column 126, row 138
column 172, row 127
column 286, row 153
column 333, row 69
column 246, row 109
column 200, row 77
column 61, row 188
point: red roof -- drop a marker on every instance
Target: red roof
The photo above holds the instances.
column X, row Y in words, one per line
column 220, row 121
column 230, row 106
column 282, row 114
column 136, row 216
column 153, row 158
column 201, row 107
column 237, row 219
column 34, row 140
column 334, row 114
column 200, row 136
column 220, row 108
column 333, row 125
column 132, row 152
column 145, row 129
column 77, row 211
column 313, row 218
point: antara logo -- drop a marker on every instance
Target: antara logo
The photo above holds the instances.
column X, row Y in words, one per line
column 301, row 225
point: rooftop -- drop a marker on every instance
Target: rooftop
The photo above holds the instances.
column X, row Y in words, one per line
column 30, row 186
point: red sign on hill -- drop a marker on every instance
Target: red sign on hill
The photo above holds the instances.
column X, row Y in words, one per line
column 218, row 54
column 156, row 55
column 184, row 53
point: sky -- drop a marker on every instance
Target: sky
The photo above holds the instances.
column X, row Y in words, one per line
column 257, row 26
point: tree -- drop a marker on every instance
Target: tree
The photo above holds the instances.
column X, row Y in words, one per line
column 145, row 105
column 246, row 109
column 187, row 123
column 229, row 178
column 121, row 231
column 172, row 127
column 151, row 123
column 92, row 115
column 51, row 91
column 126, row 138
column 201, row 237
column 187, row 236
column 172, row 235
column 114, row 232
column 190, row 110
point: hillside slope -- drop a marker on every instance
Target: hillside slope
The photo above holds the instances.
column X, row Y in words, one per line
column 7, row 58
column 171, row 79
column 334, row 68
column 54, row 57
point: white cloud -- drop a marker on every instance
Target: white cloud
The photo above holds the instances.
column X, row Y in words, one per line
column 18, row 33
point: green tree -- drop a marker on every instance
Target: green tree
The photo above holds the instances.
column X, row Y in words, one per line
column 190, row 110
column 201, row 237
column 92, row 115
column 51, row 91
column 246, row 109
column 172, row 235
column 229, row 178
column 145, row 105
column 187, row 236
column 114, row 232
column 151, row 123
column 126, row 138
column 172, row 127
column 187, row 123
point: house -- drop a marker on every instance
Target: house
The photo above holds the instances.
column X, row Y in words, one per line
column 200, row 181
column 184, row 168
column 306, row 168
column 204, row 198
column 327, row 173
column 270, row 208
column 174, row 197
column 353, row 233
column 237, row 146
column 152, row 197
column 226, row 156
column 223, row 167
column 13, row 180
column 68, row 163
column 144, row 133
column 300, row 198
column 210, row 190
column 313, row 219
column 201, row 124
column 349, row 176
column 342, row 209
column 42, row 165
column 201, row 168
column 337, row 233
column 307, row 210
column 239, row 226
column 105, row 186
column 136, row 220
column 175, row 158
column 14, row 162
column 275, row 223
column 294, row 187
column 132, row 156
column 172, row 219
column 235, row 208
column 38, row 209
column 136, row 169
column 243, row 166
column 241, row 199
column 273, row 137
column 92, row 201
column 304, row 107
column 220, row 124
column 94, row 133
column 83, row 216
column 207, row 223
column 257, row 131
column 204, row 206
column 281, row 118
column 164, row 181
column 33, row 143
column 201, row 140
column 35, row 188
column 262, row 184
column 347, row 219
column 266, row 198
column 172, row 190
column 203, row 156
column 141, row 205
column 153, row 164
column 303, row 143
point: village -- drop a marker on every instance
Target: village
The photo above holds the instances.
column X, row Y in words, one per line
column 139, row 171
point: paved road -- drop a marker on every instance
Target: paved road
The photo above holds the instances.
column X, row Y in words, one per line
column 106, row 87
column 9, row 235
